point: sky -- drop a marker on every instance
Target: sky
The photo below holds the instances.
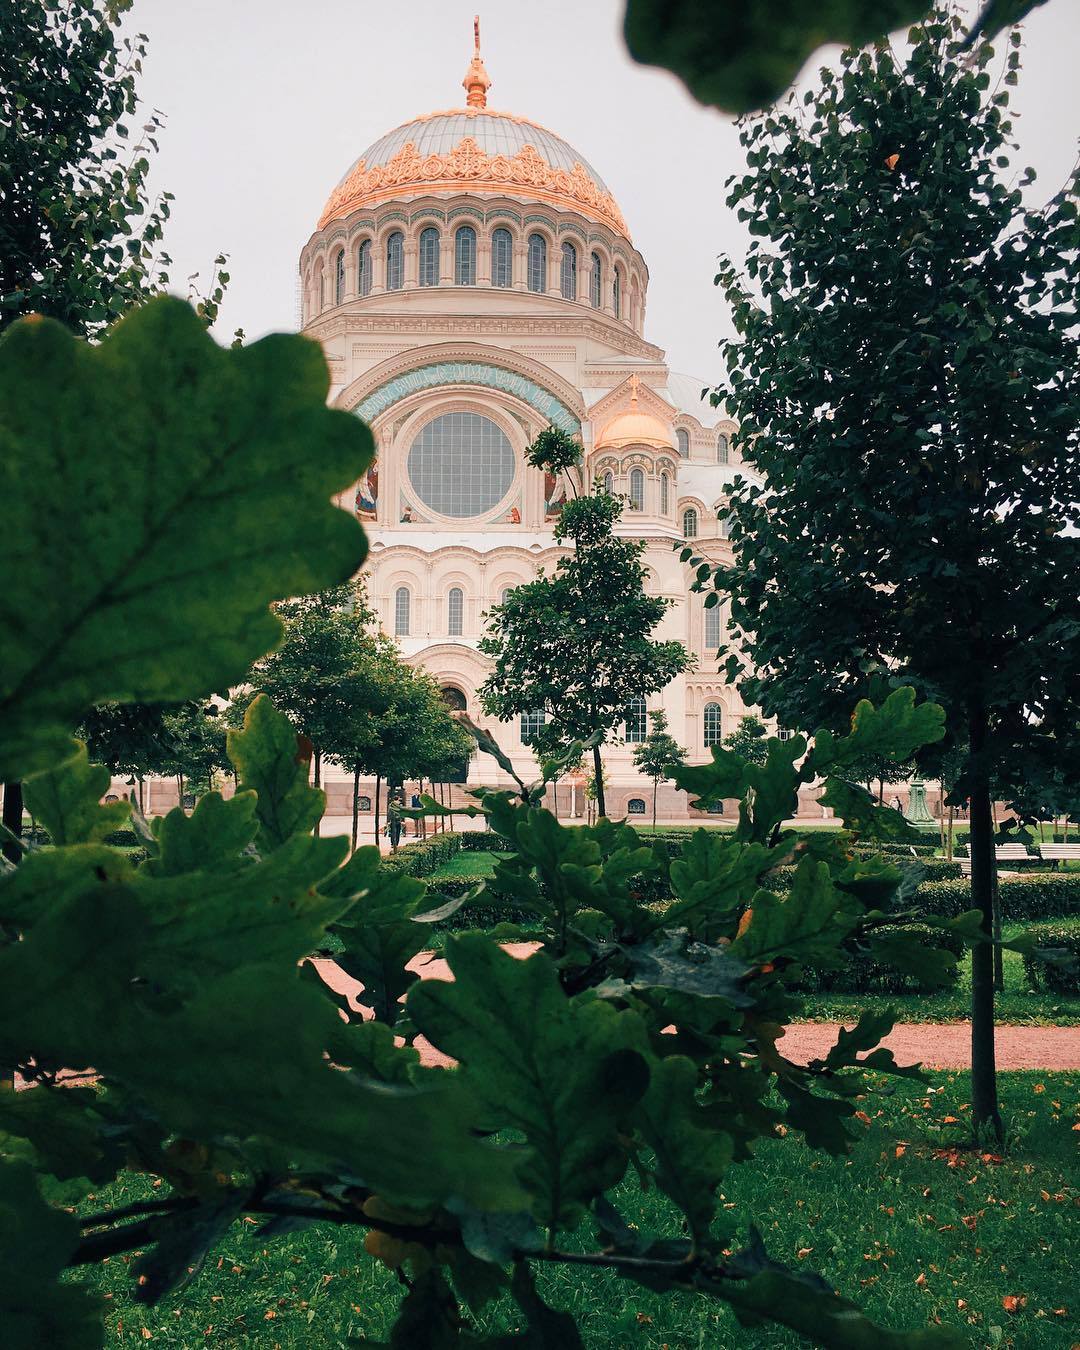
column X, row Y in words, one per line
column 268, row 102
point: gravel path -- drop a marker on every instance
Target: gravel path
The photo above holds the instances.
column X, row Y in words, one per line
column 938, row 1045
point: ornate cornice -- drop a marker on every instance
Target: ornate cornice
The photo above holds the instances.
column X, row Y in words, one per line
column 346, row 321
column 469, row 167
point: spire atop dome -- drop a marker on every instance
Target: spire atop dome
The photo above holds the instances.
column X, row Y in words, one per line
column 477, row 81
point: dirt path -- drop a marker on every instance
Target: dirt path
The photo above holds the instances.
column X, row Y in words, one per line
column 938, row 1045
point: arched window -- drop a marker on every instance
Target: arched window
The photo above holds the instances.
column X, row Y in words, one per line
column 664, row 494
column 402, row 602
column 363, row 803
column 635, row 806
column 537, row 273
column 713, row 724
column 596, row 282
column 689, row 523
column 465, row 256
column 609, row 483
column 637, row 490
column 616, row 292
column 453, row 698
column 723, row 448
column 532, row 723
column 339, row 277
column 712, row 628
column 502, row 258
column 429, row 256
column 635, row 720
column 363, row 268
column 504, row 594
column 395, row 261
column 682, row 440
column 455, row 609
column 568, row 275
column 725, row 523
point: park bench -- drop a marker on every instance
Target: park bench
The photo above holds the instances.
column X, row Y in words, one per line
column 1004, row 853
column 1059, row 853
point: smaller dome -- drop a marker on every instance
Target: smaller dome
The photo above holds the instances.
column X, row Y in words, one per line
column 635, row 428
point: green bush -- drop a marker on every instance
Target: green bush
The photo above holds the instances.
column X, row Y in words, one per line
column 1057, row 979
column 861, row 974
column 425, row 856
column 122, row 839
column 1047, row 895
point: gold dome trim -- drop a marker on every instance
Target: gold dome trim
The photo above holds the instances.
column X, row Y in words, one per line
column 468, row 167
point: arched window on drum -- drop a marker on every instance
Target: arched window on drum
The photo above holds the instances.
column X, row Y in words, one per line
column 723, row 448
column 429, row 256
column 609, row 483
column 682, row 440
column 339, row 277
column 395, row 261
column 665, row 494
column 596, row 282
column 502, row 258
column 568, row 273
column 465, row 256
column 363, row 268
column 537, row 269
column 637, row 490
column 689, row 523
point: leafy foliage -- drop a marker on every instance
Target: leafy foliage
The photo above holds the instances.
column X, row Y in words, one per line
column 124, row 600
column 740, row 57
column 577, row 645
column 634, row 1036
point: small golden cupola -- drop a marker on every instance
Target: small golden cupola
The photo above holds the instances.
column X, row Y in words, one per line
column 635, row 428
column 477, row 81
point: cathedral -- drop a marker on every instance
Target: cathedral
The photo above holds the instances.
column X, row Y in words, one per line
column 472, row 280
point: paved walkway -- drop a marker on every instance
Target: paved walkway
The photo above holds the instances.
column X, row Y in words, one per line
column 938, row 1045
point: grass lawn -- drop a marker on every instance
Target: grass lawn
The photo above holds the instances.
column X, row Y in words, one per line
column 467, row 863
column 908, row 1226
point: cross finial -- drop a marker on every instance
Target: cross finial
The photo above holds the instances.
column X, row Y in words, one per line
column 477, row 81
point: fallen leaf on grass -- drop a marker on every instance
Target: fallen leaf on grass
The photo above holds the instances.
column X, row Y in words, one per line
column 1012, row 1303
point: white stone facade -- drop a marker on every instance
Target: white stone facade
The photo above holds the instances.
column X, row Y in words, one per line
column 565, row 347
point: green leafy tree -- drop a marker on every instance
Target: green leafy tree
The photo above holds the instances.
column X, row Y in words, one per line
column 906, row 382
column 227, row 1068
column 659, row 754
column 749, row 739
column 311, row 675
column 741, row 57
column 195, row 736
column 79, row 233
column 577, row 644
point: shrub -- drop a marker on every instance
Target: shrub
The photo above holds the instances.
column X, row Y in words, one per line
column 425, row 856
column 1058, row 979
column 861, row 974
column 1045, row 895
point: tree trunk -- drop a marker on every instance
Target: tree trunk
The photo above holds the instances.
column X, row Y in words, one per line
column 355, row 807
column 317, row 761
column 180, row 790
column 598, row 774
column 655, row 789
column 13, row 814
column 999, row 965
column 378, row 784
column 984, row 1102
column 952, row 822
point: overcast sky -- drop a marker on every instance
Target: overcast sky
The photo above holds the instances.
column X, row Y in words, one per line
column 269, row 101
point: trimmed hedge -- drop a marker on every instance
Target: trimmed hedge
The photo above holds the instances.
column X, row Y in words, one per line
column 425, row 856
column 1048, row 895
column 860, row 974
column 1044, row 975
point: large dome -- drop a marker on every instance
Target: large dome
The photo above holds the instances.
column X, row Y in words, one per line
column 475, row 149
